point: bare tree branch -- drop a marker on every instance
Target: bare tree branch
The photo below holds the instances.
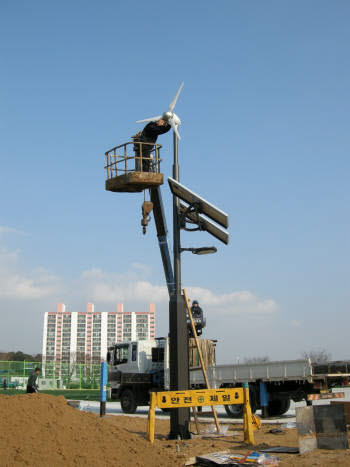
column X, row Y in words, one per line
column 317, row 356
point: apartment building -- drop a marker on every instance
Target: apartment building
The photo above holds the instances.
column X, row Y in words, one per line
column 85, row 336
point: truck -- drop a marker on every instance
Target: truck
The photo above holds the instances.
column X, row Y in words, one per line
column 139, row 367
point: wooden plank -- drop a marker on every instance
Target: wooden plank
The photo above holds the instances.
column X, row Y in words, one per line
column 207, row 347
column 194, row 410
column 204, row 370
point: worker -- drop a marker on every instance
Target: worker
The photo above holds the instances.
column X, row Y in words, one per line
column 197, row 315
column 148, row 135
column 32, row 385
column 5, row 384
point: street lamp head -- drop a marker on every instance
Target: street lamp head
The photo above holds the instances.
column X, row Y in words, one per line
column 204, row 250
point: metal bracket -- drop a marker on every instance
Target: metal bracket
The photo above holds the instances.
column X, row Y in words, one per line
column 195, row 209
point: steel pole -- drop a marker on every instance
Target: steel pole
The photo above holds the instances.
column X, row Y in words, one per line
column 176, row 221
column 179, row 371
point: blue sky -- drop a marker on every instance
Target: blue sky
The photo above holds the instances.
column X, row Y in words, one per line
column 265, row 136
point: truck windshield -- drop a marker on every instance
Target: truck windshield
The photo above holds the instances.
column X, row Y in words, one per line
column 121, row 354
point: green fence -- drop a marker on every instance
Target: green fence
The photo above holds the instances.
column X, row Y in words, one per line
column 53, row 375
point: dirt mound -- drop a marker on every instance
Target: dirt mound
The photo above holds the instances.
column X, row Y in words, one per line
column 42, row 430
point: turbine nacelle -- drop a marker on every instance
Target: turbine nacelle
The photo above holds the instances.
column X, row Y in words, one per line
column 169, row 116
column 176, row 119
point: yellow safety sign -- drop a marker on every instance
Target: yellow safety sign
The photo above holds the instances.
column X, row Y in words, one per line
column 199, row 398
column 204, row 397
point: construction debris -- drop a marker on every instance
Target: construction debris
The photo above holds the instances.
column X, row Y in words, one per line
column 228, row 458
column 282, row 449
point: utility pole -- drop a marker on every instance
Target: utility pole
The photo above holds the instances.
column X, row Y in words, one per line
column 179, row 368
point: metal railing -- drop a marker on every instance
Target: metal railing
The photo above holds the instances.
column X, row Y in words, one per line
column 133, row 156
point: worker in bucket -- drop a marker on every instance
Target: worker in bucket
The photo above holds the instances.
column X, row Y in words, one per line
column 32, row 385
column 148, row 135
column 199, row 321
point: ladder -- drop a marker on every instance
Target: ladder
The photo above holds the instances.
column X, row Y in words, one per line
column 204, row 370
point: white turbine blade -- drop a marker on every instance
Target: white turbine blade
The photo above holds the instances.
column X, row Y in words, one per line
column 152, row 119
column 173, row 102
column 174, row 127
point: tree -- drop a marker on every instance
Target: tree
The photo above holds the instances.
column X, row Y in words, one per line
column 317, row 356
column 19, row 356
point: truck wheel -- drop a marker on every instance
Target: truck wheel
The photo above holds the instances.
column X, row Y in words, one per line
column 127, row 401
column 236, row 410
column 278, row 407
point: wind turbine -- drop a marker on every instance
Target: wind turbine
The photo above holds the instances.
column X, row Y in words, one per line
column 169, row 116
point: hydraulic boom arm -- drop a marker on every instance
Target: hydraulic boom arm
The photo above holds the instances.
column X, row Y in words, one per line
column 162, row 234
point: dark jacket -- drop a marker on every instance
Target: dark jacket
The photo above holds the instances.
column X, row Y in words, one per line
column 32, row 380
column 197, row 312
column 149, row 135
column 151, row 132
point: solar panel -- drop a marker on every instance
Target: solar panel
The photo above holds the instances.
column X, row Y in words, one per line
column 204, row 207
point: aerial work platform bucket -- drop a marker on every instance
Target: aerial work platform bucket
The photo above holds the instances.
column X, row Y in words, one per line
column 133, row 167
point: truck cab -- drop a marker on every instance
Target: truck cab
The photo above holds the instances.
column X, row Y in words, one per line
column 137, row 357
column 136, row 368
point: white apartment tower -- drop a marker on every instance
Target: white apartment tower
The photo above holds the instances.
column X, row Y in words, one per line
column 85, row 336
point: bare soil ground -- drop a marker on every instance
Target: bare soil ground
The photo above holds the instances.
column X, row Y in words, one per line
column 263, row 438
column 42, row 430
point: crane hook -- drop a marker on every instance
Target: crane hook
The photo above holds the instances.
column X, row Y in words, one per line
column 147, row 207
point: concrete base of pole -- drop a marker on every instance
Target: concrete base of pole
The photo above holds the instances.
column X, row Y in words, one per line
column 179, row 371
